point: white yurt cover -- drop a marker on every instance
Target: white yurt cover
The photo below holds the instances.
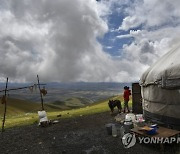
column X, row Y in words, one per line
column 160, row 89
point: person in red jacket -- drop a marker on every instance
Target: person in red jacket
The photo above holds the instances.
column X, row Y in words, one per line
column 126, row 95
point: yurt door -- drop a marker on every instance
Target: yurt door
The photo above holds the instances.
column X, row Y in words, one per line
column 136, row 98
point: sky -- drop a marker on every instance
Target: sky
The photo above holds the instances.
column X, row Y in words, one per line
column 85, row 40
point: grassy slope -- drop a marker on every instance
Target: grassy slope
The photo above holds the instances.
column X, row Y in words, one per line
column 29, row 118
column 17, row 106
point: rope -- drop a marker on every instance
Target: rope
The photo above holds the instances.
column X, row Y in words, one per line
column 21, row 87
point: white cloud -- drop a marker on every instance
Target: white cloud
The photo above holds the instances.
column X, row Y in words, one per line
column 108, row 47
column 124, row 36
column 159, row 31
column 57, row 39
column 150, row 13
column 130, row 22
column 51, row 38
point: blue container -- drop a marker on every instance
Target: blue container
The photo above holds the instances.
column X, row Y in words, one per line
column 154, row 126
column 153, row 131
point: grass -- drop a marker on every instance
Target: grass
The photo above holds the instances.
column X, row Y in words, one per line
column 17, row 106
column 73, row 102
column 30, row 118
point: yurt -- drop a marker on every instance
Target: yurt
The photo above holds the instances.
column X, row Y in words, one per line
column 160, row 90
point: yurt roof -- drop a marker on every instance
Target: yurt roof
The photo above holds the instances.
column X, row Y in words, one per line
column 165, row 72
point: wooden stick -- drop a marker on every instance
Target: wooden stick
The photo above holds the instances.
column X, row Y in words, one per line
column 5, row 106
column 42, row 104
column 19, row 88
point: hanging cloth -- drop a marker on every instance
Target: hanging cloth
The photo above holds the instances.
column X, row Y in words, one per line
column 31, row 89
column 43, row 91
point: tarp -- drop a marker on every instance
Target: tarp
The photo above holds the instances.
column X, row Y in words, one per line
column 160, row 88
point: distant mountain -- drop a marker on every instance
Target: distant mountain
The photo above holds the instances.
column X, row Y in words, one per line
column 17, row 106
column 89, row 86
column 69, row 93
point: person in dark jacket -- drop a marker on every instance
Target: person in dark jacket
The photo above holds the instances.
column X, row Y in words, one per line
column 126, row 95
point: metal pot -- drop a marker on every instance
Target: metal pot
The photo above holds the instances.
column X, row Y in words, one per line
column 128, row 125
column 109, row 128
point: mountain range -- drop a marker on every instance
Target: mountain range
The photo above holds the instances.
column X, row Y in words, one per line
column 68, row 93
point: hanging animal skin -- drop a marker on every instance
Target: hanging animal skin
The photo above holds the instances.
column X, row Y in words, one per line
column 31, row 89
column 44, row 91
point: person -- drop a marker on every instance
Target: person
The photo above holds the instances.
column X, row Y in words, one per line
column 126, row 95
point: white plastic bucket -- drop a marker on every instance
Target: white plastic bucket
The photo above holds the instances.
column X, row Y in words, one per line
column 42, row 116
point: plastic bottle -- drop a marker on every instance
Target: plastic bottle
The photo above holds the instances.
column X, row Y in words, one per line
column 122, row 131
column 114, row 130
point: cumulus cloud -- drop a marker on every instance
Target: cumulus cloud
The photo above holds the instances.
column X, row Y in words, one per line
column 58, row 39
column 155, row 29
column 130, row 22
column 151, row 13
column 55, row 39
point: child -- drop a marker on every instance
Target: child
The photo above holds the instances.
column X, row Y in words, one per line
column 126, row 95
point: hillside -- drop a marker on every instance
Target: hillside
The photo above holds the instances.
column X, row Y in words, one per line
column 21, row 112
column 17, row 106
column 86, row 93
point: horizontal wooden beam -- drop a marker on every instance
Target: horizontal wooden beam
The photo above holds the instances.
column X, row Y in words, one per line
column 21, row 87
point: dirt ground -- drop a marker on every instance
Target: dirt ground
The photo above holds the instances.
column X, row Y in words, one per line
column 81, row 135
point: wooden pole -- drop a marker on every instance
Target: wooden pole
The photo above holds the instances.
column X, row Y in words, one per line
column 19, row 88
column 42, row 104
column 5, row 106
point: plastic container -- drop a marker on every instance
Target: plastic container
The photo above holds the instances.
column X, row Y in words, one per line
column 139, row 123
column 42, row 116
column 153, row 131
column 109, row 128
column 131, row 117
column 122, row 131
column 154, row 126
column 139, row 117
column 114, row 130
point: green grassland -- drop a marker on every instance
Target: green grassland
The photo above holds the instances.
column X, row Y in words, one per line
column 17, row 106
column 20, row 112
